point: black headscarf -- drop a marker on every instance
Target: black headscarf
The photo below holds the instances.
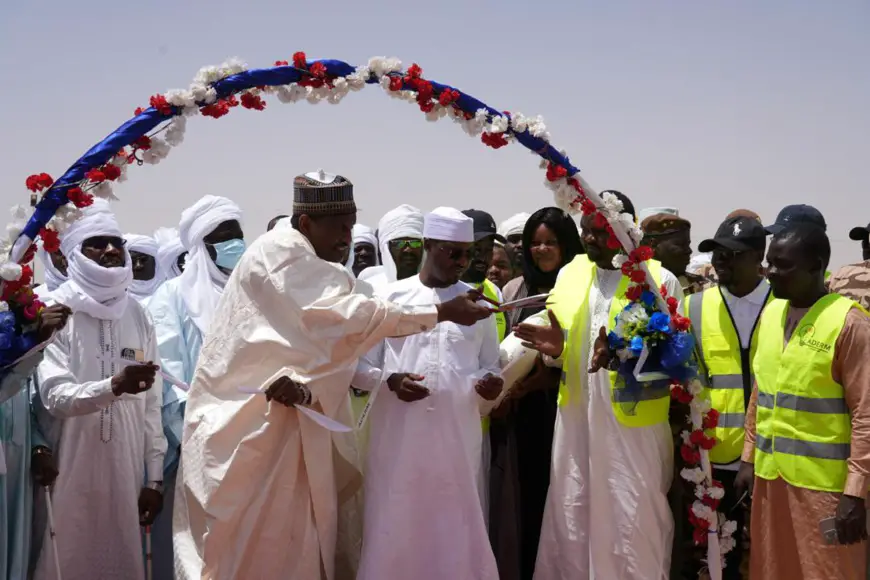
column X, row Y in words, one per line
column 568, row 236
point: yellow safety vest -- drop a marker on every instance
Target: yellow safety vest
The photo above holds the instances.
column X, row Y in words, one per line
column 570, row 299
column 491, row 292
column 804, row 428
column 723, row 358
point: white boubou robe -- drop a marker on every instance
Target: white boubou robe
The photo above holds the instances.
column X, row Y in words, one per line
column 607, row 515
column 107, row 446
column 423, row 512
column 263, row 491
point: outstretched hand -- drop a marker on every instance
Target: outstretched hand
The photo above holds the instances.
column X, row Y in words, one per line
column 549, row 340
column 464, row 309
column 600, row 352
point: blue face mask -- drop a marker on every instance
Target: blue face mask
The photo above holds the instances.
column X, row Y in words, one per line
column 229, row 253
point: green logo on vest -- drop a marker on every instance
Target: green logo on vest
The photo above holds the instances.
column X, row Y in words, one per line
column 805, row 336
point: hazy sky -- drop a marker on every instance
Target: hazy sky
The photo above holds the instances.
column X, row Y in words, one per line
column 706, row 106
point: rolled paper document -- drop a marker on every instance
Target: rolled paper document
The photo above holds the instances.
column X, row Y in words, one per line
column 516, row 360
column 319, row 418
column 537, row 300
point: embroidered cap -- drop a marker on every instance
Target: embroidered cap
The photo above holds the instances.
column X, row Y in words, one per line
column 321, row 193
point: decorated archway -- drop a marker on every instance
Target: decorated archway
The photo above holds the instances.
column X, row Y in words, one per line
column 149, row 136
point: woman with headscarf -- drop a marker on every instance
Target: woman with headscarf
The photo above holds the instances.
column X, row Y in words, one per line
column 522, row 428
column 182, row 309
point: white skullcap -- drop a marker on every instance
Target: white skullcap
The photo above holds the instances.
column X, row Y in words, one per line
column 651, row 211
column 514, row 225
column 448, row 224
column 97, row 220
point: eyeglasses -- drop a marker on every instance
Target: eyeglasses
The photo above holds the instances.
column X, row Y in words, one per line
column 456, row 254
column 402, row 244
column 102, row 242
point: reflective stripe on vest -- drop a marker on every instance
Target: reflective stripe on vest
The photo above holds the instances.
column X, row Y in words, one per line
column 804, row 427
column 570, row 299
column 720, row 348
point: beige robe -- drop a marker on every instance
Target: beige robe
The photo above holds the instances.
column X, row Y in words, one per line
column 258, row 496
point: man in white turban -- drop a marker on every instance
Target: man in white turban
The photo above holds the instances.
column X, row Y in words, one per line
column 182, row 310
column 512, row 230
column 365, row 248
column 147, row 274
column 171, row 252
column 96, row 380
column 424, row 517
column 264, row 490
column 400, row 239
column 54, row 272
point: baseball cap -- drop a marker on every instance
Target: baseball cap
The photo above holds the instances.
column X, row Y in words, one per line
column 484, row 225
column 859, row 234
column 794, row 214
column 739, row 233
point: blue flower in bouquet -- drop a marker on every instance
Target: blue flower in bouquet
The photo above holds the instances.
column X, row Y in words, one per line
column 648, row 298
column 677, row 350
column 636, row 345
column 7, row 330
column 615, row 341
column 659, row 322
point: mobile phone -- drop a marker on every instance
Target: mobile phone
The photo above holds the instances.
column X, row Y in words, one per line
column 829, row 531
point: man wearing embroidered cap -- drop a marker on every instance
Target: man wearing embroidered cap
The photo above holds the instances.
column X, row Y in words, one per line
column 182, row 310
column 669, row 235
column 95, row 383
column 264, row 491
column 424, row 464
column 807, row 448
column 853, row 281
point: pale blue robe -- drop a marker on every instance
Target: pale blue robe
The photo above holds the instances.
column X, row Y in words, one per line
column 18, row 436
column 179, row 341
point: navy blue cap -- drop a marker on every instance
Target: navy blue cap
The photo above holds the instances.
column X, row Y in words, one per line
column 797, row 214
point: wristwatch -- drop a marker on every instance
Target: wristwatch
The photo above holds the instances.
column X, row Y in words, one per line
column 155, row 485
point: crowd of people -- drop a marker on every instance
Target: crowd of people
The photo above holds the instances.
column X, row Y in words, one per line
column 327, row 401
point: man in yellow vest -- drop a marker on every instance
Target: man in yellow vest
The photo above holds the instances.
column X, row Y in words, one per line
column 725, row 322
column 607, row 512
column 807, row 444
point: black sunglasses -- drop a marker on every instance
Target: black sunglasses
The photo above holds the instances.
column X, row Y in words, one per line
column 102, row 242
column 456, row 254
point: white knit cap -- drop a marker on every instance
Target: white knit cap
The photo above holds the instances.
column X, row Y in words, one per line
column 448, row 224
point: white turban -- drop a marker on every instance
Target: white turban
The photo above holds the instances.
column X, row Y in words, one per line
column 202, row 282
column 171, row 248
column 448, row 224
column 365, row 235
column 141, row 289
column 91, row 288
column 405, row 221
column 53, row 277
column 514, row 225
